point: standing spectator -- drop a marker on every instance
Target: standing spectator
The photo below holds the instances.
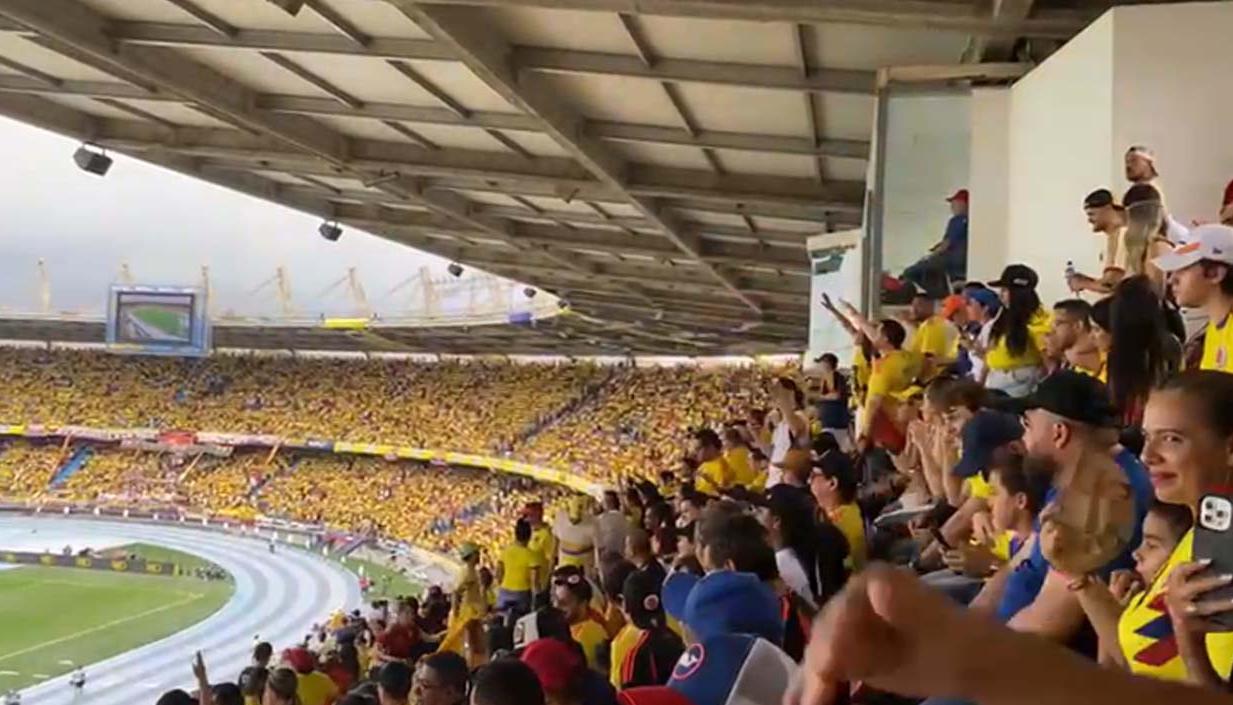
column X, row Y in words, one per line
column 313, row 686
column 638, row 551
column 1015, row 356
column 725, row 669
column 739, row 459
column 810, row 557
column 1141, row 171
column 399, row 639
column 518, row 572
column 1201, row 272
column 611, row 527
column 789, row 427
column 1226, row 205
column 834, row 411
column 713, row 476
column 948, row 258
column 262, row 653
column 574, row 529
column 281, row 688
column 571, row 594
column 1107, row 218
column 394, row 683
column 654, row 649
column 543, row 543
column 1146, row 233
column 934, row 341
column 441, row 679
column 507, row 681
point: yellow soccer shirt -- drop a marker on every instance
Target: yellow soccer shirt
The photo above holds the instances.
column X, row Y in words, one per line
column 516, row 564
column 315, row 688
column 935, row 337
column 999, row 357
column 624, row 641
column 1217, row 344
column 893, row 372
column 590, row 634
column 543, row 543
column 740, row 461
column 1145, row 632
column 713, row 476
column 847, row 518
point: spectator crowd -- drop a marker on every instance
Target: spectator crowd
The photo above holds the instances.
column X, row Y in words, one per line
column 1050, row 481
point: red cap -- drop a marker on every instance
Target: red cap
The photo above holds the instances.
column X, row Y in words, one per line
column 652, row 695
column 301, row 660
column 555, row 663
column 960, row 195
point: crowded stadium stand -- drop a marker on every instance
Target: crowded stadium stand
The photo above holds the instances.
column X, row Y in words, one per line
column 777, row 431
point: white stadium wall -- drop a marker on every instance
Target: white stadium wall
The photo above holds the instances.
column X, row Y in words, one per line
column 987, row 226
column 1061, row 121
column 926, row 161
column 1173, row 73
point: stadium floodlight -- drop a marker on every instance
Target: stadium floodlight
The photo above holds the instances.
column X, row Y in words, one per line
column 330, row 230
column 529, row 292
column 89, row 160
column 454, row 269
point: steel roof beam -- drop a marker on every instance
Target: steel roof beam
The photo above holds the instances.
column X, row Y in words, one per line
column 488, row 56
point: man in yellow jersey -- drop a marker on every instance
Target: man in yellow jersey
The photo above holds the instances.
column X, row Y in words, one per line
column 572, row 594
column 713, row 475
column 518, row 572
column 1201, row 272
column 934, row 339
column 543, row 543
column 893, row 372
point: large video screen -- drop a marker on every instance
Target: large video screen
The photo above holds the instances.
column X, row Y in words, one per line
column 157, row 320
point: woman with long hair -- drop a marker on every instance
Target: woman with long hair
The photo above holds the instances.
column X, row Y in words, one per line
column 809, row 555
column 1015, row 356
column 1188, row 431
column 1139, row 350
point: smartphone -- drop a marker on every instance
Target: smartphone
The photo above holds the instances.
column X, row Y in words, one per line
column 1213, row 540
column 936, row 533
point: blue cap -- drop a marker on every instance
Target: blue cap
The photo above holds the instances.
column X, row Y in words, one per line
column 983, row 434
column 724, row 602
column 986, row 298
column 733, row 668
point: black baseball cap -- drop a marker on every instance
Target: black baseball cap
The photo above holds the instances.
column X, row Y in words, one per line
column 1073, row 396
column 983, row 434
column 642, row 601
column 1017, row 275
column 1100, row 198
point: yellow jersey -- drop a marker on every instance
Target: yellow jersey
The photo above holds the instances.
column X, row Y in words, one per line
column 545, row 544
column 893, row 372
column 936, row 337
column 740, row 460
column 590, row 634
column 625, row 640
column 714, row 476
column 847, row 518
column 999, row 357
column 1145, row 632
column 315, row 688
column 1217, row 342
column 979, row 487
column 517, row 561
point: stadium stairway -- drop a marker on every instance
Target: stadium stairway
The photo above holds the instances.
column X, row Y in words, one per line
column 588, row 395
column 76, row 461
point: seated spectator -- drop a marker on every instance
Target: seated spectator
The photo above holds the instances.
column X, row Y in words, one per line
column 441, row 679
column 1120, row 611
column 507, row 681
column 947, row 260
column 723, row 670
column 983, row 306
column 571, row 594
column 647, row 650
column 313, row 686
column 394, row 683
column 1071, row 344
column 1015, row 354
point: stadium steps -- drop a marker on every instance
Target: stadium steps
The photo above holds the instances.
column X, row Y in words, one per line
column 588, row 396
column 76, row 461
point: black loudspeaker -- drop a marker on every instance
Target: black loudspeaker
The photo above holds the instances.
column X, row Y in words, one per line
column 454, row 269
column 93, row 162
column 330, row 231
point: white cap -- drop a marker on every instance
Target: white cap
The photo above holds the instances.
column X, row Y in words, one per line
column 1206, row 242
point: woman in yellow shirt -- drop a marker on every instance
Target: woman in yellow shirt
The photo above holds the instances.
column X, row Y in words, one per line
column 520, row 568
column 833, row 485
column 1015, row 357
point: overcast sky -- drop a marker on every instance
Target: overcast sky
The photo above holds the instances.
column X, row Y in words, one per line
column 165, row 226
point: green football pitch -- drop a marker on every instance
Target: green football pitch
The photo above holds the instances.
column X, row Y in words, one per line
column 170, row 322
column 56, row 617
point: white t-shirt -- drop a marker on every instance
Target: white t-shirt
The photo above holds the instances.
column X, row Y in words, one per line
column 575, row 542
column 611, row 528
column 793, row 574
column 781, row 443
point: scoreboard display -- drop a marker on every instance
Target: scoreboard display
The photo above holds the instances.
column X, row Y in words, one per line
column 158, row 320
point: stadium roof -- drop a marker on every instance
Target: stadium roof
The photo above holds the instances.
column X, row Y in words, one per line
column 645, row 159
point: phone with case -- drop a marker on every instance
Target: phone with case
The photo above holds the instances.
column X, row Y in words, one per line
column 1213, row 540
